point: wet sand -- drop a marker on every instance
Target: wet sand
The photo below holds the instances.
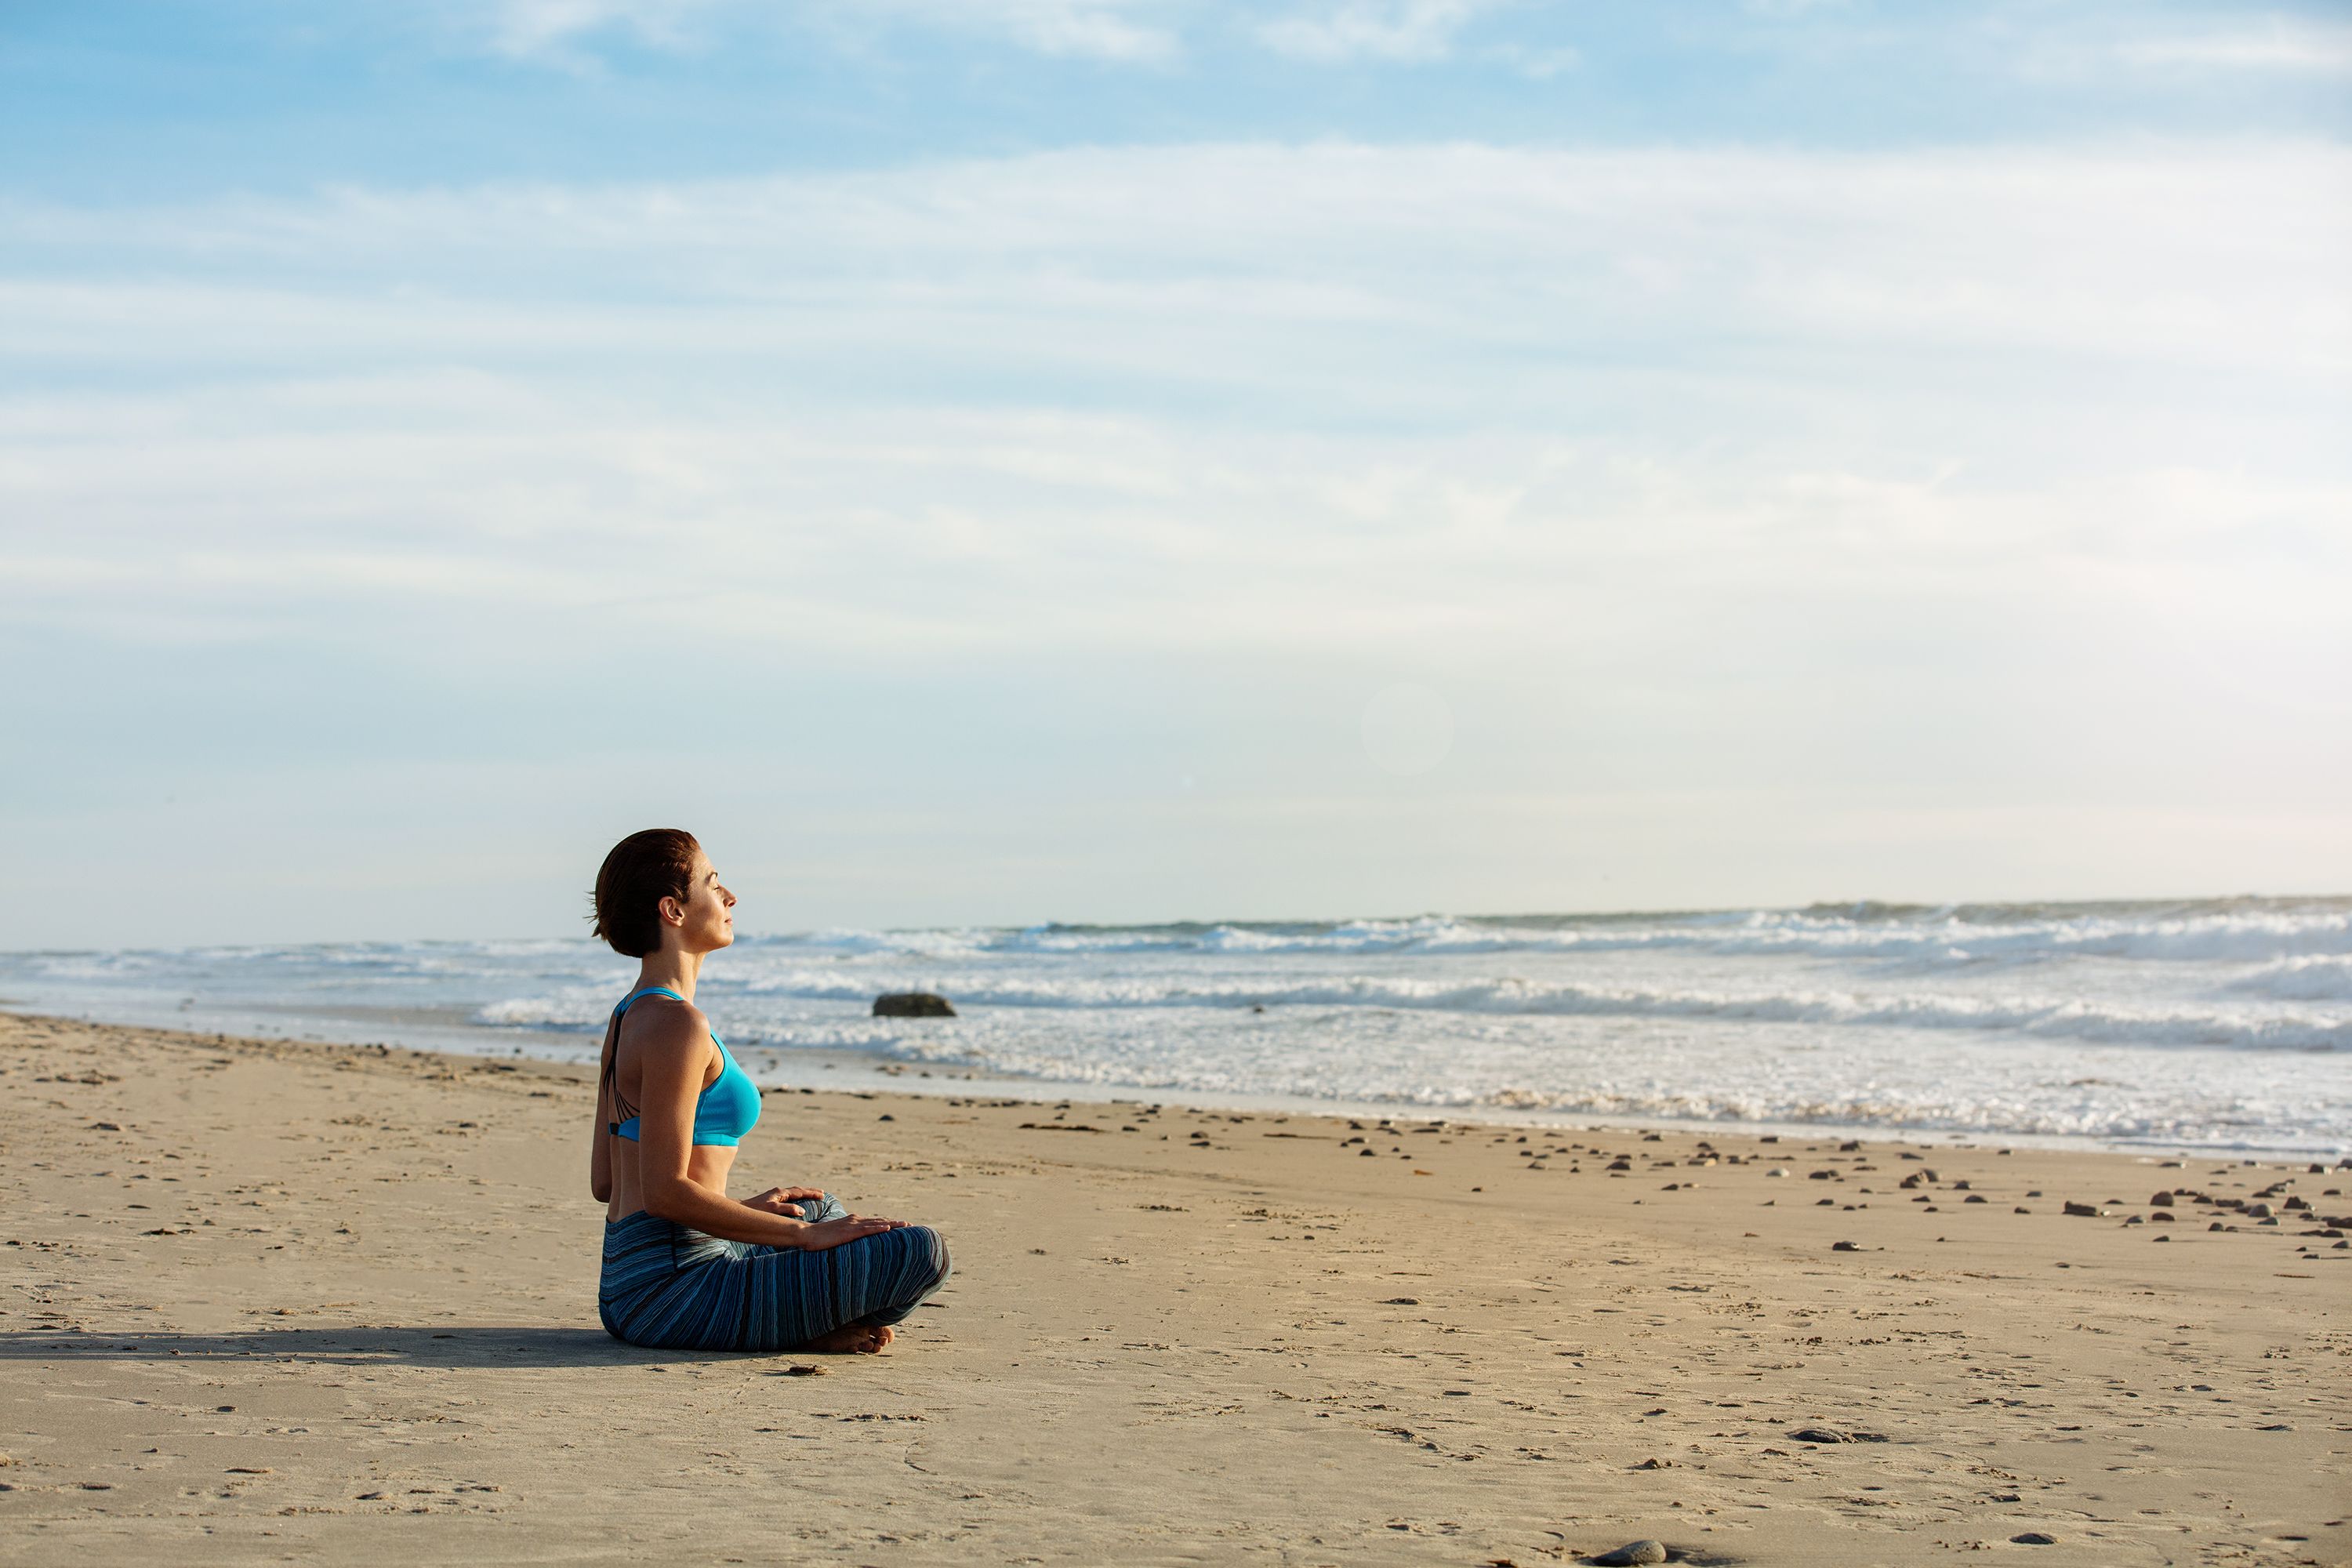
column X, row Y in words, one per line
column 269, row 1301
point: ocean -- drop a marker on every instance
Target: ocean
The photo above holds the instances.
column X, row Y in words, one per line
column 2220, row 1025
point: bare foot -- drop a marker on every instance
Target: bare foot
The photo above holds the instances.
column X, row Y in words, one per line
column 857, row 1339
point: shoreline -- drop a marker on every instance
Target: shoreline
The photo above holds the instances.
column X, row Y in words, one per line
column 279, row 1298
column 459, row 1034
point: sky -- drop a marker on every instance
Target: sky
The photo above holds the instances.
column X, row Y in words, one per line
column 998, row 461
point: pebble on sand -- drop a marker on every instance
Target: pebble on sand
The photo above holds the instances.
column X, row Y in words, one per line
column 1633, row 1552
column 2035, row 1538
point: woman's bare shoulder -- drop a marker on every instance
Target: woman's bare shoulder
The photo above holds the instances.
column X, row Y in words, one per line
column 670, row 1025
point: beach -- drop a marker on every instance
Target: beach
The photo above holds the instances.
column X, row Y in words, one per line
column 272, row 1300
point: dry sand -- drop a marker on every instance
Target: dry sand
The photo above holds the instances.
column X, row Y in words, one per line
column 275, row 1302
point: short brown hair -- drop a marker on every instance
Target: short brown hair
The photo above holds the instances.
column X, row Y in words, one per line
column 641, row 871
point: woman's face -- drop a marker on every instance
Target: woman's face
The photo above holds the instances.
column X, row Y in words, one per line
column 707, row 926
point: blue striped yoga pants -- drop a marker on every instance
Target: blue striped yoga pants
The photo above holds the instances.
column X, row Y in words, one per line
column 668, row 1288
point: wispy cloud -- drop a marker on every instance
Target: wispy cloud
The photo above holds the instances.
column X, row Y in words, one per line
column 1127, row 30
column 2218, row 255
column 1133, row 31
column 1394, row 30
column 555, row 28
column 1648, row 381
column 2005, row 476
column 2277, row 43
column 565, row 31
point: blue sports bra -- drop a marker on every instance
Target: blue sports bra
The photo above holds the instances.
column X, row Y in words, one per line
column 728, row 1106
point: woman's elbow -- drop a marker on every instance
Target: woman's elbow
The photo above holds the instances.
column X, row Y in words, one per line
column 601, row 1190
column 666, row 1200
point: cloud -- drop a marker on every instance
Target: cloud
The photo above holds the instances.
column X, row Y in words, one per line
column 1905, row 481
column 1535, row 64
column 1123, row 30
column 1391, row 30
column 1131, row 31
column 1320, row 400
column 1240, row 263
column 1794, row 8
column 552, row 29
column 2279, row 46
column 560, row 31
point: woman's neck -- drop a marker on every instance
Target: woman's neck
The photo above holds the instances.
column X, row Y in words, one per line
column 671, row 969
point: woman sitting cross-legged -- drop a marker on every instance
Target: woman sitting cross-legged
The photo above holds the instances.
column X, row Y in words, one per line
column 687, row 1267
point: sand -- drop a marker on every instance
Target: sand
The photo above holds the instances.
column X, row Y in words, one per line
column 270, row 1302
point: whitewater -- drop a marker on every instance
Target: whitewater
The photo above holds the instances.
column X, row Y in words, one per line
column 2209, row 1024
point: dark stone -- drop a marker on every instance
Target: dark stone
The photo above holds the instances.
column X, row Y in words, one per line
column 1833, row 1434
column 2161, row 1201
column 1630, row 1553
column 2087, row 1211
column 2035, row 1538
column 912, row 1004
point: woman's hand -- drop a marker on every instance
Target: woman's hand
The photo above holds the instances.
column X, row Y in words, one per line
column 850, row 1227
column 785, row 1201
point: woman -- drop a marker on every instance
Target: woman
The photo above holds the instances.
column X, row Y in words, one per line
column 685, row 1266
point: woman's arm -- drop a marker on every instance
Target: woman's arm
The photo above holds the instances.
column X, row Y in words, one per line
column 600, row 1140
column 675, row 1056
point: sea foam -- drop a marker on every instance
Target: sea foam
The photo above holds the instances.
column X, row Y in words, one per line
column 2223, row 1024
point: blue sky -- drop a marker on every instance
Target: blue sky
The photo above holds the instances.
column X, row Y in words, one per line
column 1094, row 460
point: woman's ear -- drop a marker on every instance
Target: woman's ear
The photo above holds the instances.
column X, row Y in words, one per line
column 672, row 913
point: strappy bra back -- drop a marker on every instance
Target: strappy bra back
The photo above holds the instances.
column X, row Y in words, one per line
column 728, row 1106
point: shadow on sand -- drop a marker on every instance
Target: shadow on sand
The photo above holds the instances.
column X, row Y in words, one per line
column 455, row 1347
